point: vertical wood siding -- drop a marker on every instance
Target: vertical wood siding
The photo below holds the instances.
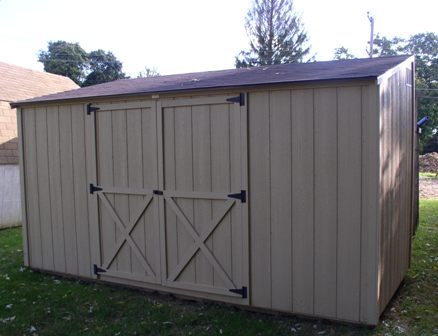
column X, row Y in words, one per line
column 316, row 158
column 313, row 223
column 55, row 184
column 396, row 136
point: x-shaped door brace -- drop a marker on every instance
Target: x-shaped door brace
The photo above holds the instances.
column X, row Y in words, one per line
column 199, row 243
column 126, row 232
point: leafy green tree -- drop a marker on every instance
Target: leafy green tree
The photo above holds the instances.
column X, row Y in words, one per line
column 70, row 60
column 66, row 59
column 103, row 67
column 276, row 35
column 342, row 53
column 425, row 48
column 384, row 46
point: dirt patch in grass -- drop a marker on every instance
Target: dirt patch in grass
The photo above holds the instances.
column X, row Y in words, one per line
column 429, row 162
column 428, row 187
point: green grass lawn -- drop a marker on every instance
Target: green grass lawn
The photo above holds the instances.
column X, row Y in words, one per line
column 428, row 175
column 36, row 304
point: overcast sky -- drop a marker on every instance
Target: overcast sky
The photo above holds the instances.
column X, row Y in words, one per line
column 192, row 35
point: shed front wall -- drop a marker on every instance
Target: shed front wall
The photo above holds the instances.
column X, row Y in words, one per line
column 313, row 177
column 54, row 174
column 69, row 230
column 312, row 197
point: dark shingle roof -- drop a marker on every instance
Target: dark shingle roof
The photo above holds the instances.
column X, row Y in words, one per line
column 272, row 74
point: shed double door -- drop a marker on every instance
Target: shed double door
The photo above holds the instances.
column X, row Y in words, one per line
column 171, row 190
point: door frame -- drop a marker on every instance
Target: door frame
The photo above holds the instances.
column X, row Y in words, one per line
column 158, row 105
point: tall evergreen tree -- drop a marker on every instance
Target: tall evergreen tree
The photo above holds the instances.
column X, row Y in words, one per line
column 276, row 35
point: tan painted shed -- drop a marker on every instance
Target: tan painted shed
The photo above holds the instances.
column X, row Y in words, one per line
column 286, row 187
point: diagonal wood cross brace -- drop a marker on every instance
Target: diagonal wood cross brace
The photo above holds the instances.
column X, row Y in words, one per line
column 199, row 243
column 126, row 232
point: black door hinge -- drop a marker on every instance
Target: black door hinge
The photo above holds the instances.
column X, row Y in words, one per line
column 238, row 99
column 241, row 291
column 91, row 108
column 241, row 196
column 157, row 192
column 97, row 270
column 94, row 188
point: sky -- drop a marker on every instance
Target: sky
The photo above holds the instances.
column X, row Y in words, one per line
column 193, row 35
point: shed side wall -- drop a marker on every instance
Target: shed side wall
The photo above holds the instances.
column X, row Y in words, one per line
column 55, row 183
column 313, row 158
column 396, row 192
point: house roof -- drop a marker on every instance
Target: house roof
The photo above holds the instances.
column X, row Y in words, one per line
column 370, row 68
column 17, row 83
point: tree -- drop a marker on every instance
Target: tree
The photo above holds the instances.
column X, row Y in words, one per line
column 275, row 33
column 425, row 48
column 148, row 72
column 343, row 53
column 384, row 46
column 103, row 67
column 66, row 59
column 70, row 60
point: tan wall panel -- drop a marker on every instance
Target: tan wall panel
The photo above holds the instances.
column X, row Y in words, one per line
column 349, row 198
column 202, row 182
column 260, row 196
column 67, row 192
column 80, row 190
column 313, row 143
column 55, row 188
column 303, row 211
column 56, row 183
column 44, row 188
column 105, row 177
column 370, row 205
column 326, row 201
column 184, row 181
column 120, row 179
column 221, row 180
column 281, row 199
column 169, row 172
column 32, row 191
column 135, row 180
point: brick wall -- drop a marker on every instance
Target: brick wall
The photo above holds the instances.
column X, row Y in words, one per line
column 8, row 135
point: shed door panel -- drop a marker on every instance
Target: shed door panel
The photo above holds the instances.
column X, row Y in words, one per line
column 169, row 174
column 203, row 225
column 126, row 152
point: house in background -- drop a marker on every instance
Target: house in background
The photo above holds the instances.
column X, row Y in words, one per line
column 17, row 83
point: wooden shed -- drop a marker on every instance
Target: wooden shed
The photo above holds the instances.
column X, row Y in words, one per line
column 286, row 187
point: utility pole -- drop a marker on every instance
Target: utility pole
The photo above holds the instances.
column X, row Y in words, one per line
column 371, row 19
